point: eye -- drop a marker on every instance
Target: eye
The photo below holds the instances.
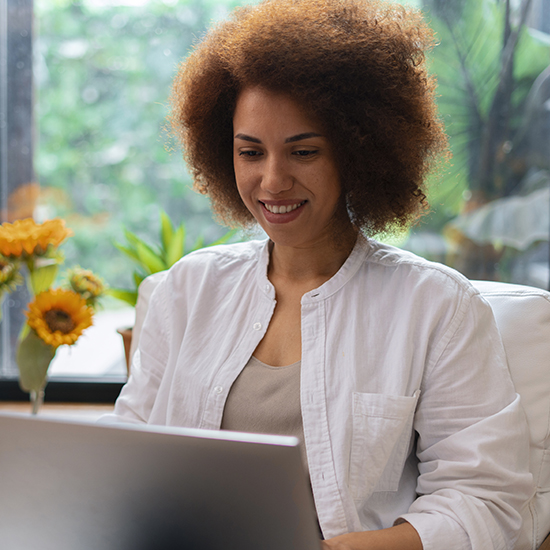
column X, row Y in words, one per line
column 305, row 153
column 249, row 153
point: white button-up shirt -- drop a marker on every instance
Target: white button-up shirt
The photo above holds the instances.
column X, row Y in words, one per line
column 407, row 404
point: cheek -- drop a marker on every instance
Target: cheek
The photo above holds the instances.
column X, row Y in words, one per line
column 238, row 174
column 330, row 182
column 244, row 186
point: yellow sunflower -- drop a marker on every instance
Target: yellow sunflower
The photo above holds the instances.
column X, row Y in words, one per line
column 27, row 237
column 84, row 281
column 59, row 316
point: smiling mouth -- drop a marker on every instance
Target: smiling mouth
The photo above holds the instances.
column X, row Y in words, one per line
column 283, row 209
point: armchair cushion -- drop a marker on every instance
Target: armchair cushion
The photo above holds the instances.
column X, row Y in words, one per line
column 523, row 318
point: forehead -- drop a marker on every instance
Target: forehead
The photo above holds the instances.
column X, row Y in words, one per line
column 262, row 108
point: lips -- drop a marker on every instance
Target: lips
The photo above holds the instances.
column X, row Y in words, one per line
column 282, row 212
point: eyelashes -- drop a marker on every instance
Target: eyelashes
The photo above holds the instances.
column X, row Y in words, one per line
column 305, row 152
column 301, row 153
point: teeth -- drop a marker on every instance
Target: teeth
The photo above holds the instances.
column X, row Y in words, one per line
column 283, row 209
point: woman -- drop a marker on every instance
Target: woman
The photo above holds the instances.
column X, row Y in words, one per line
column 316, row 120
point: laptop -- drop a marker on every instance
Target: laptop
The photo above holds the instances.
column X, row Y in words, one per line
column 82, row 486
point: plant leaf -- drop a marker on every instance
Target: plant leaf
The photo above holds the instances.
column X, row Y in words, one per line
column 129, row 296
column 132, row 238
column 42, row 278
column 130, row 252
column 151, row 261
column 166, row 231
column 198, row 244
column 138, row 278
column 175, row 249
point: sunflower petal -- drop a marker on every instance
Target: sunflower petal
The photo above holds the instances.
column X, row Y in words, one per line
column 26, row 236
column 66, row 304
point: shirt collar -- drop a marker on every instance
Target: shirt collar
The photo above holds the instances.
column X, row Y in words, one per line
column 343, row 275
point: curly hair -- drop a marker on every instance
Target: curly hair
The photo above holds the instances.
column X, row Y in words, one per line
column 358, row 66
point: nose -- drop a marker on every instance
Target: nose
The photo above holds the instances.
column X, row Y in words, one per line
column 276, row 177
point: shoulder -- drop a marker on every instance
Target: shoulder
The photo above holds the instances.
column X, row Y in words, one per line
column 397, row 279
column 219, row 257
column 412, row 271
column 215, row 266
column 242, row 251
column 222, row 255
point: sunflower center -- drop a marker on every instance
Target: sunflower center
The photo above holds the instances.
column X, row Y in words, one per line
column 60, row 320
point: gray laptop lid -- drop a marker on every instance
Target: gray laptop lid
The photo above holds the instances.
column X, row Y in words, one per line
column 80, row 486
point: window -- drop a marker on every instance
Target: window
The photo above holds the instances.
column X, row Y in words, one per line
column 94, row 149
column 83, row 92
column 490, row 217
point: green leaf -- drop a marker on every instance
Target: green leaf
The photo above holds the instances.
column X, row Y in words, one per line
column 166, row 230
column 42, row 278
column 130, row 252
column 198, row 244
column 532, row 55
column 150, row 260
column 132, row 238
column 138, row 278
column 176, row 248
column 33, row 359
column 128, row 296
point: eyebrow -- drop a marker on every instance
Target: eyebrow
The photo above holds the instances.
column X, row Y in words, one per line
column 291, row 139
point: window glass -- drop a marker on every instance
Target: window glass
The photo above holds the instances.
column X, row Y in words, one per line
column 490, row 208
column 103, row 159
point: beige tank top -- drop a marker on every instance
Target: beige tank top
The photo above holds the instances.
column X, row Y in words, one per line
column 265, row 399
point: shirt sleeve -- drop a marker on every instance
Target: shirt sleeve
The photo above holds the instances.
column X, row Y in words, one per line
column 473, row 442
column 137, row 398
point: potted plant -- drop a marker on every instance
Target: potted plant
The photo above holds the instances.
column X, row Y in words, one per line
column 151, row 259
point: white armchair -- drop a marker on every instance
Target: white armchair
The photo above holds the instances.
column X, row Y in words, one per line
column 523, row 318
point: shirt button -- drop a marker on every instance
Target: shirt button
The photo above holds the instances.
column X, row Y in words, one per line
column 257, row 326
column 218, row 389
column 267, row 287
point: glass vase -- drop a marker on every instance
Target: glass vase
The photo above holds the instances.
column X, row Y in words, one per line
column 37, row 400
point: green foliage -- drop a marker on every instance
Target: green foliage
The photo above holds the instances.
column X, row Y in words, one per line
column 103, row 158
column 467, row 62
column 154, row 258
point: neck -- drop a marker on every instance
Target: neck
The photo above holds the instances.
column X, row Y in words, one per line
column 315, row 264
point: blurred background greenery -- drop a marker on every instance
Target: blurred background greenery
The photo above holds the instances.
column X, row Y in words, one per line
column 104, row 161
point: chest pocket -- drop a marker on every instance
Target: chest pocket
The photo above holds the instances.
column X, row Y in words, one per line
column 382, row 434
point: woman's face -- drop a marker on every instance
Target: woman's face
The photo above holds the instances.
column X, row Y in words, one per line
column 285, row 169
